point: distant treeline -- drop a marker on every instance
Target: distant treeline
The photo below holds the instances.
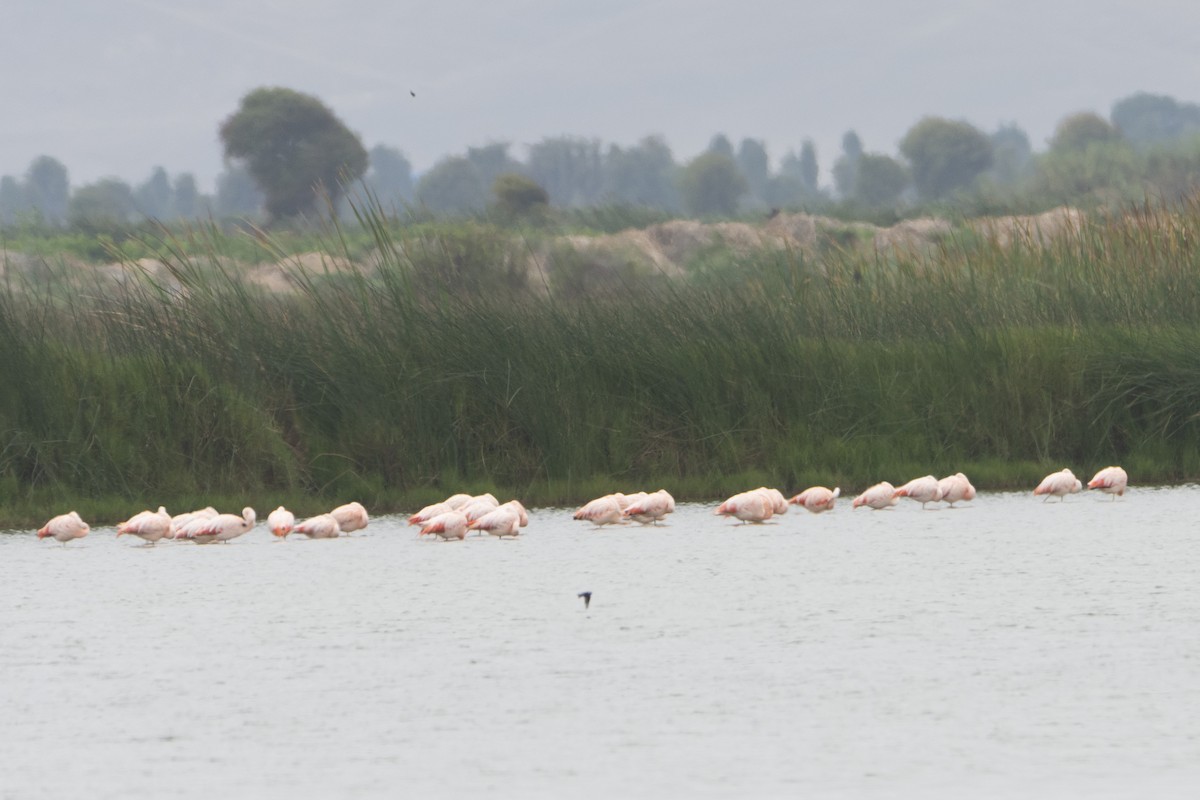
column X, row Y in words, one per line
column 1149, row 147
column 396, row 386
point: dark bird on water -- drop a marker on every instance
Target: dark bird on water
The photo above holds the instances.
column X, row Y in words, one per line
column 587, row 598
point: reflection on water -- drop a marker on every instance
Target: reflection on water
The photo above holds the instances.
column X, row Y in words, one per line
column 1007, row 648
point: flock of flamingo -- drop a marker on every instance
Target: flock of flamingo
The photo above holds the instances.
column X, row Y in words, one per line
column 452, row 518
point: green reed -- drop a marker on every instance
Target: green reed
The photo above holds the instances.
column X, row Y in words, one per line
column 443, row 368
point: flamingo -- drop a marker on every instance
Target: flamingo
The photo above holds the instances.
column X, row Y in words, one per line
column 956, row 487
column 652, row 508
column 221, row 528
column 602, row 511
column 478, row 507
column 429, row 512
column 64, row 528
column 779, row 503
column 1110, row 480
column 148, row 525
column 179, row 521
column 447, row 526
column 881, row 495
column 351, row 517
column 457, row 501
column 502, row 521
column 817, row 499
column 1058, row 484
column 322, row 526
column 281, row 522
column 923, row 490
column 751, row 506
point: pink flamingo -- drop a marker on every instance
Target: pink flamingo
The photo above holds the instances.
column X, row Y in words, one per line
column 148, row 525
column 602, row 511
column 281, row 522
column 817, row 499
column 652, row 508
column 1110, row 480
column 322, row 526
column 447, row 526
column 956, row 487
column 351, row 517
column 923, row 490
column 64, row 528
column 1058, row 484
column 881, row 495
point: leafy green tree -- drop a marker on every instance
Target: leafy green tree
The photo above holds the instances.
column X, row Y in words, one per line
column 642, row 176
column 721, row 145
column 1147, row 119
column 453, row 186
column 711, row 185
column 1082, row 130
column 106, row 204
column 754, row 164
column 12, row 200
column 187, row 196
column 570, row 169
column 154, row 197
column 1104, row 172
column 845, row 169
column 492, row 161
column 880, row 181
column 390, row 177
column 945, row 155
column 518, row 196
column 809, row 171
column 1012, row 155
column 238, row 194
column 48, row 189
column 295, row 148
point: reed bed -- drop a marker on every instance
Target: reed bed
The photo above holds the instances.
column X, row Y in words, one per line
column 439, row 370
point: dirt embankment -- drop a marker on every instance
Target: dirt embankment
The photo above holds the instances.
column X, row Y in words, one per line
column 667, row 248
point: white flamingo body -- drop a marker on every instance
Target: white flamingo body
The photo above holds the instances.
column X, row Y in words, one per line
column 447, row 526
column 281, row 522
column 478, row 507
column 817, row 499
column 602, row 511
column 924, row 490
column 779, row 503
column 752, row 506
column 322, row 526
column 351, row 517
column 180, row 521
column 1058, row 484
column 1110, row 480
column 652, row 508
column 64, row 528
column 956, row 488
column 881, row 495
column 148, row 525
column 501, row 521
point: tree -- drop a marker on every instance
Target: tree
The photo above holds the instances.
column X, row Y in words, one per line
column 754, row 164
column 1012, row 155
column 237, row 193
column 721, row 145
column 711, row 185
column 571, row 169
column 1080, row 131
column 454, row 185
column 187, row 196
column 1149, row 119
column 642, row 176
column 880, row 181
column 518, row 196
column 492, row 161
column 47, row 189
column 154, row 197
column 845, row 169
column 390, row 177
column 12, row 200
column 945, row 155
column 809, row 171
column 106, row 204
column 294, row 147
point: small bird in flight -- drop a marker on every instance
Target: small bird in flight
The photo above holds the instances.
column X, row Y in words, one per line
column 410, row 91
column 587, row 598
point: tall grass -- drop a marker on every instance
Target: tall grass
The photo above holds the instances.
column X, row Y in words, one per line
column 442, row 368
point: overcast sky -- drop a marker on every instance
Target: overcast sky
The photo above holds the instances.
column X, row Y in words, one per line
column 121, row 86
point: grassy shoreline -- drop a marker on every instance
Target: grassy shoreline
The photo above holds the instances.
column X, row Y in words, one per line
column 425, row 376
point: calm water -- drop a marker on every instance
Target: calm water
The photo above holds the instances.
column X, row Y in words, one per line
column 1010, row 648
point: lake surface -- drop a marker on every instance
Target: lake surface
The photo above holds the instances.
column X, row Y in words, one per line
column 1008, row 648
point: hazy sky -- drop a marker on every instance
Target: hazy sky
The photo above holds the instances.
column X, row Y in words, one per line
column 120, row 86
